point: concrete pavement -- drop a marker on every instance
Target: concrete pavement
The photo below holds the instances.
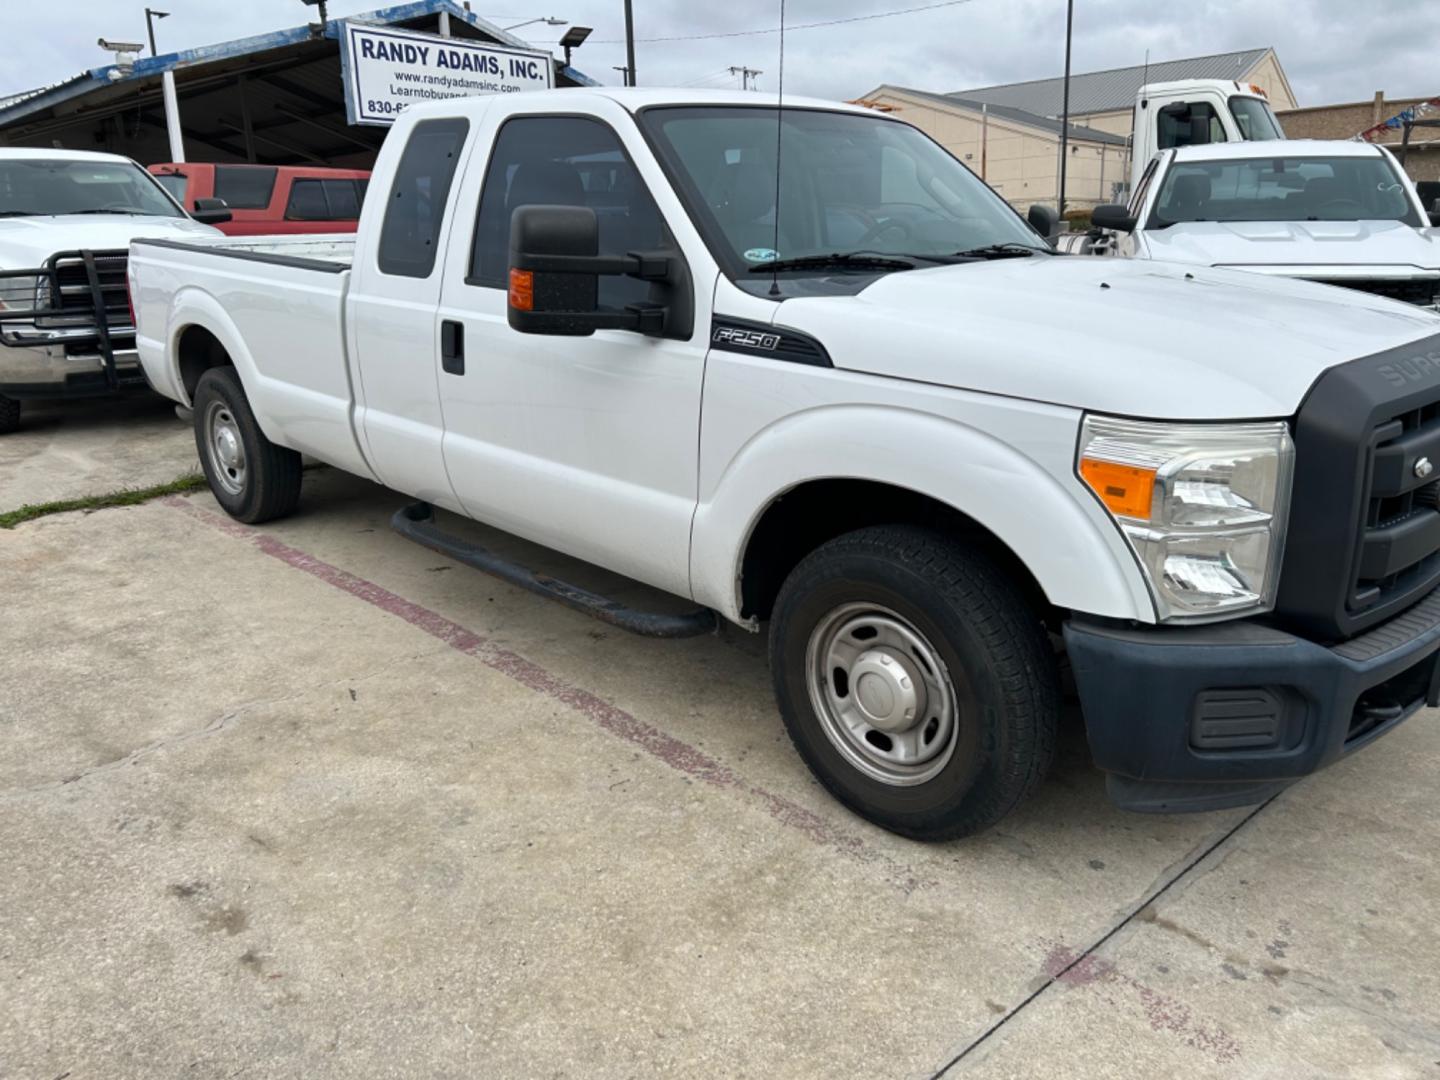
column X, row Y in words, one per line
column 309, row 800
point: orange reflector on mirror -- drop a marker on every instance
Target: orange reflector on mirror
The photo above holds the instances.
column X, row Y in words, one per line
column 522, row 290
column 1126, row 489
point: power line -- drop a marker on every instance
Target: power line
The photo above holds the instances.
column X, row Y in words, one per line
column 790, row 29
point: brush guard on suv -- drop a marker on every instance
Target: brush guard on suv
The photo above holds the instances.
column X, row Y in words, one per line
column 79, row 301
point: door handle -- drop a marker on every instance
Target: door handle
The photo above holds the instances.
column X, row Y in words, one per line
column 452, row 346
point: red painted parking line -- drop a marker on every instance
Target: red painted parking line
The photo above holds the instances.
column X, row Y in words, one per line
column 679, row 755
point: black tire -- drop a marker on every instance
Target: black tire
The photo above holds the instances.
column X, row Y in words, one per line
column 267, row 485
column 992, row 645
column 9, row 415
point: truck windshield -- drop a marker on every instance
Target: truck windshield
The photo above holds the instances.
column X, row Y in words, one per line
column 852, row 185
column 34, row 187
column 1283, row 189
column 1255, row 119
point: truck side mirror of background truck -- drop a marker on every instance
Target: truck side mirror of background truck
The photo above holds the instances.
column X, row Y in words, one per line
column 1112, row 216
column 1045, row 220
column 211, row 211
column 555, row 272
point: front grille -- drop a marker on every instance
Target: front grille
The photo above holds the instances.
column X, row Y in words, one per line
column 74, row 286
column 1399, row 543
column 1411, row 292
column 1364, row 537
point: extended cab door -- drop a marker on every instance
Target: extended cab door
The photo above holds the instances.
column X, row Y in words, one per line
column 585, row 444
column 394, row 291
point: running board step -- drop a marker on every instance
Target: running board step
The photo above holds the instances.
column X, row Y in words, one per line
column 417, row 522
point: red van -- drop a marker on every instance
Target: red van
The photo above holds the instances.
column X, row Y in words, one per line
column 270, row 199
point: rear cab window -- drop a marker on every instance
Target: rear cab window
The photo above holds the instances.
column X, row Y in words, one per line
column 415, row 207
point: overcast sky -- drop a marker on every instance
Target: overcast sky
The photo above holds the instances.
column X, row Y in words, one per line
column 1332, row 50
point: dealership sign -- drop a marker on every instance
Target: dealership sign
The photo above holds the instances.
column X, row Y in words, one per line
column 385, row 70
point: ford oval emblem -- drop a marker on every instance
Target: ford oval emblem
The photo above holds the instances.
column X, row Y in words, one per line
column 1423, row 468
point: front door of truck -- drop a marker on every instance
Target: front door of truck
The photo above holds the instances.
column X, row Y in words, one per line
column 585, row 444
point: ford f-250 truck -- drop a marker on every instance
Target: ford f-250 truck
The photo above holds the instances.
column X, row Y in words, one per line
column 66, row 221
column 893, row 424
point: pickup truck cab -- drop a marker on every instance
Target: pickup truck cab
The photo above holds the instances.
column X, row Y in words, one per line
column 66, row 221
column 1342, row 213
column 270, row 200
column 876, row 417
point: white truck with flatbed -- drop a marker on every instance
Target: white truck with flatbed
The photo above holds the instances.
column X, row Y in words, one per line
column 66, row 221
column 1339, row 213
column 937, row 459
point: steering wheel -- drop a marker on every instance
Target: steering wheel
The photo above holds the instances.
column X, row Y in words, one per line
column 880, row 228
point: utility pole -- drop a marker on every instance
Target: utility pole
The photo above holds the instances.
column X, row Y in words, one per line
column 746, row 74
column 629, row 44
column 1065, row 108
column 984, row 137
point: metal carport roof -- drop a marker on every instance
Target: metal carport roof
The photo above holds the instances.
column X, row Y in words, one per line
column 274, row 98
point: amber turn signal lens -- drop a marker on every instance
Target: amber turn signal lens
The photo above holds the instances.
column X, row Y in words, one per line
column 1126, row 489
column 522, row 290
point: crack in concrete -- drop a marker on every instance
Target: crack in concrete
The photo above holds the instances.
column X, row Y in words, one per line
column 1087, row 957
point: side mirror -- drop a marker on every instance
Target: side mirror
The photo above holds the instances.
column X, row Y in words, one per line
column 1112, row 216
column 555, row 271
column 1045, row 220
column 211, row 211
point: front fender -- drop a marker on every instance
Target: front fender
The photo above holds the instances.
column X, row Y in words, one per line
column 1030, row 501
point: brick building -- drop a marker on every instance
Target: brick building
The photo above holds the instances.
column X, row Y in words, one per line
column 1346, row 121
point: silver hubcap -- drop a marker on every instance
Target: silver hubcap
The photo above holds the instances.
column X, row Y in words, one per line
column 227, row 451
column 883, row 695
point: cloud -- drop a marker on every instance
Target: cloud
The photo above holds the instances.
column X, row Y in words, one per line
column 1332, row 50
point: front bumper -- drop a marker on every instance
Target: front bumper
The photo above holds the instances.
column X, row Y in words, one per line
column 47, row 371
column 1227, row 715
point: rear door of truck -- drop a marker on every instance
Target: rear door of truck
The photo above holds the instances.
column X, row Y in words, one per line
column 394, row 293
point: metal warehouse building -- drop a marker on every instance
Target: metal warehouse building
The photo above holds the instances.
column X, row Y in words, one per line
column 1010, row 134
column 272, row 99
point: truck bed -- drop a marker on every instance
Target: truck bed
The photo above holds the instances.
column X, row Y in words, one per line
column 276, row 305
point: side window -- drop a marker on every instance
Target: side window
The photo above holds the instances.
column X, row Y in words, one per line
column 1203, row 126
column 322, row 200
column 564, row 161
column 410, row 233
column 307, row 202
column 245, row 187
column 340, row 195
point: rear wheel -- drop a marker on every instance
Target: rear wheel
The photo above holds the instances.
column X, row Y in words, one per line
column 252, row 478
column 916, row 680
column 9, row 415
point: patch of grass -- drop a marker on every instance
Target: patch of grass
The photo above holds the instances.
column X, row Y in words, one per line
column 124, row 497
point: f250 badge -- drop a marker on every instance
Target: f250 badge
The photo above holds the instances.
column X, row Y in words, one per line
column 750, row 339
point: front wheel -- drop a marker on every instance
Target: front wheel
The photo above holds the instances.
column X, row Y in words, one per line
column 252, row 478
column 9, row 415
column 916, row 680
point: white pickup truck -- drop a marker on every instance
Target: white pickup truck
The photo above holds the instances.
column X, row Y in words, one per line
column 1342, row 213
column 934, row 456
column 66, row 221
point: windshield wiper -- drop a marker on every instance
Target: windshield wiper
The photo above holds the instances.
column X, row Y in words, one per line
column 1008, row 250
column 847, row 260
column 19, row 213
column 112, row 210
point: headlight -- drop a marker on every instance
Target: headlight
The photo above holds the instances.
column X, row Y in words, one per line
column 1203, row 506
column 22, row 293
